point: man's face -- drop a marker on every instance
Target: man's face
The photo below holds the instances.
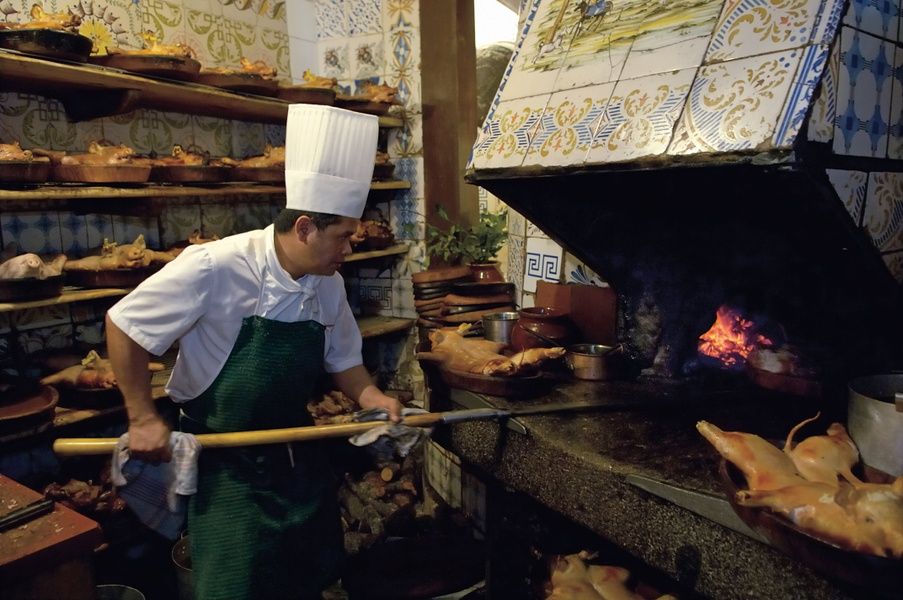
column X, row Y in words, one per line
column 328, row 247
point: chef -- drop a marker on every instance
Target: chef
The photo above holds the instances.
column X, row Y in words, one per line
column 258, row 317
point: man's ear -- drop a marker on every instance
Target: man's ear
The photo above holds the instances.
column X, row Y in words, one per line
column 304, row 227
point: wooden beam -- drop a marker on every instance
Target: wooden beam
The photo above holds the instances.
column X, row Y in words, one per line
column 449, row 91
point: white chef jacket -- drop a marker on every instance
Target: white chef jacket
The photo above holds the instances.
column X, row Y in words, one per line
column 202, row 296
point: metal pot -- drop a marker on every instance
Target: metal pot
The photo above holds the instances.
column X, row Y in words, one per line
column 875, row 421
column 181, row 559
column 590, row 361
column 498, row 326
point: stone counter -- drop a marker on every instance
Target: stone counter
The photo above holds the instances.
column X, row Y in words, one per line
column 576, row 463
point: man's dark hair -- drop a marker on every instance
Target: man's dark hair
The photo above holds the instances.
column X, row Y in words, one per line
column 286, row 218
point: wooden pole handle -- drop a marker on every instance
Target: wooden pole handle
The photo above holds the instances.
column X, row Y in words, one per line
column 95, row 446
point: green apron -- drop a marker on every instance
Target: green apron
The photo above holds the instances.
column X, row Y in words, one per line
column 263, row 523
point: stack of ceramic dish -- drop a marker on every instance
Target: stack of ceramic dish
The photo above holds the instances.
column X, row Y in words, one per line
column 430, row 289
column 469, row 302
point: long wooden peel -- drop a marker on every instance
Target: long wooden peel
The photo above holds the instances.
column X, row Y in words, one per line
column 94, row 446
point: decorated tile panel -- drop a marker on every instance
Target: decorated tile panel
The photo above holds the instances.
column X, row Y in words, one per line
column 850, row 187
column 802, row 90
column 577, row 271
column 828, row 21
column 735, row 105
column 884, row 211
column 504, row 140
column 751, row 27
column 894, row 262
column 864, row 91
column 331, row 21
column 669, row 36
column 878, row 17
column 821, row 120
column 565, row 132
column 543, row 261
column 639, row 118
column 36, row 232
column 364, row 16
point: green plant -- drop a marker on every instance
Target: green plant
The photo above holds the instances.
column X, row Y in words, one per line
column 477, row 244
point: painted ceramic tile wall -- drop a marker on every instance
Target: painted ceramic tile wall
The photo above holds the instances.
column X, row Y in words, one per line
column 379, row 41
column 220, row 32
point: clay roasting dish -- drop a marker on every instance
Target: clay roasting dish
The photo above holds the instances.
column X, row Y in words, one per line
column 247, row 83
column 101, row 173
column 110, row 278
column 32, row 288
column 303, row 94
column 36, row 170
column 181, row 68
column 189, row 173
column 47, row 43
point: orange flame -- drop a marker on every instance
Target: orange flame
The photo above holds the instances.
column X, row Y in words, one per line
column 732, row 338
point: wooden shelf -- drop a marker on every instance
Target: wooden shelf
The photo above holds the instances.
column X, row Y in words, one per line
column 390, row 251
column 86, row 192
column 372, row 327
column 68, row 296
column 90, row 91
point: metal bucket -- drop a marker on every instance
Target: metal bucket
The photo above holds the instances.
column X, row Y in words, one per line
column 181, row 559
column 874, row 422
column 497, row 327
column 115, row 591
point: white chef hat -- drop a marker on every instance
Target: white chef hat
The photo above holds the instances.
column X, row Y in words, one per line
column 329, row 156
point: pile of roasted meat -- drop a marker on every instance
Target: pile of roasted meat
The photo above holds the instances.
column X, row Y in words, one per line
column 483, row 357
column 574, row 577
column 812, row 484
column 92, row 373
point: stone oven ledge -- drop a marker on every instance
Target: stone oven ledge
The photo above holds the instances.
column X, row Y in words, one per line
column 576, row 464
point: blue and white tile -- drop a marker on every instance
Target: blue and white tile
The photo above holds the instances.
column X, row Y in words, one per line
column 408, row 84
column 808, row 74
column 850, row 187
column 365, row 56
column 217, row 219
column 878, row 17
column 821, row 121
column 178, row 221
column 333, row 59
column 400, row 13
column 376, row 295
column 406, row 141
column 364, row 17
column 98, row 227
column 661, row 48
column 543, row 262
column 517, row 256
column 534, row 231
column 517, row 224
column 32, row 231
column 750, row 27
column 127, row 229
column 565, row 132
column 44, row 316
column 577, row 271
column 505, row 138
column 884, row 210
column 538, row 56
column 402, row 51
column 331, row 22
column 735, row 105
column 864, row 92
column 412, row 262
column 73, row 233
column 45, row 338
column 89, row 333
column 894, row 262
column 528, row 299
column 640, row 116
column 443, row 473
column 828, row 21
column 895, row 139
column 403, row 299
column 301, row 19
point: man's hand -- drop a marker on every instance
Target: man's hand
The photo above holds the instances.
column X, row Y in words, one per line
column 373, row 398
column 149, row 439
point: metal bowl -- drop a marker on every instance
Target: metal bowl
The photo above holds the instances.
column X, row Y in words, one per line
column 590, row 361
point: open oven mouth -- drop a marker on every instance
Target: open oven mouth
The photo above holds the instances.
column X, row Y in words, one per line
column 751, row 274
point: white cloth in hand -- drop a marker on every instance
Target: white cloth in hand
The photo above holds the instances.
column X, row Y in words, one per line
column 391, row 438
column 158, row 493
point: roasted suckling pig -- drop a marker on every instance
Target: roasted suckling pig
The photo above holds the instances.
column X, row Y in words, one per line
column 273, row 156
column 379, row 92
column 92, row 373
column 154, row 47
column 120, row 256
column 27, row 266
column 483, row 357
column 812, row 485
column 40, row 19
column 98, row 155
column 13, row 151
column 179, row 157
column 195, row 238
column 247, row 67
column 574, row 578
column 317, row 81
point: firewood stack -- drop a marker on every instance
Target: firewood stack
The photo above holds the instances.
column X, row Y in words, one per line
column 379, row 503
